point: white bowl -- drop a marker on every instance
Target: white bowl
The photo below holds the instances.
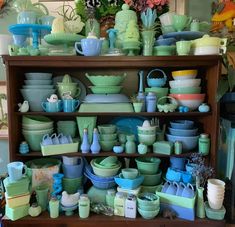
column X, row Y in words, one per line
column 215, row 196
column 215, row 204
column 206, row 50
column 215, row 183
column 185, row 83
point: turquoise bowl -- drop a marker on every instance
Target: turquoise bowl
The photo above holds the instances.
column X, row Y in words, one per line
column 38, row 76
column 152, row 179
column 148, row 214
column 130, row 173
column 148, row 165
column 148, row 199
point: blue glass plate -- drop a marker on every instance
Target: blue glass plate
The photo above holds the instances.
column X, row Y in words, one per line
column 128, row 125
column 184, row 35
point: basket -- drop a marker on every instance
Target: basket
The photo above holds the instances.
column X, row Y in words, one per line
column 167, row 107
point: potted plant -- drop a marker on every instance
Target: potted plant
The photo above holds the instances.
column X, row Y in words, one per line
column 137, row 103
column 72, row 21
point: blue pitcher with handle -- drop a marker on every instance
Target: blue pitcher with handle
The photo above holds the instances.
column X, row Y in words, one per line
column 156, row 81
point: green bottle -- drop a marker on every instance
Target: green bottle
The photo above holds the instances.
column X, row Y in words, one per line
column 54, row 207
column 92, row 25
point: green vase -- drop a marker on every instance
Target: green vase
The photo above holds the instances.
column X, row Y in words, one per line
column 148, row 39
column 200, row 211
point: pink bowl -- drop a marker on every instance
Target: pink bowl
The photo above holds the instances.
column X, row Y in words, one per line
column 188, row 96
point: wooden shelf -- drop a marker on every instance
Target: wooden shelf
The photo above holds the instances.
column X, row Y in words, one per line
column 102, row 154
column 105, row 221
column 144, row 114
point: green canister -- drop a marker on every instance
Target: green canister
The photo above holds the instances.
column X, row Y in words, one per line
column 54, row 207
column 204, row 144
column 110, row 195
column 84, row 206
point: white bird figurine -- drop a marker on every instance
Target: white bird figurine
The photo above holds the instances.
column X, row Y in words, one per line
column 53, row 98
column 69, row 200
column 24, row 107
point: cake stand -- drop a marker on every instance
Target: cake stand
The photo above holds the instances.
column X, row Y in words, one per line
column 66, row 39
column 35, row 31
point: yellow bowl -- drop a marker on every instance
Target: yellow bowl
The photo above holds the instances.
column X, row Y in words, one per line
column 184, row 74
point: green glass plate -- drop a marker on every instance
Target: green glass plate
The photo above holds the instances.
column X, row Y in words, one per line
column 105, row 89
column 63, row 38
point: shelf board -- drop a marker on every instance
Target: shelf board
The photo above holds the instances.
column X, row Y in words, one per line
column 145, row 114
column 102, row 220
column 103, row 154
column 111, row 62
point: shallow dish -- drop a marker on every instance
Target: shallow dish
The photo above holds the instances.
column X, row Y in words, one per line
column 106, row 98
column 183, row 132
column 105, row 89
column 38, row 76
column 185, row 90
column 106, row 80
column 185, row 83
column 38, row 86
column 184, row 74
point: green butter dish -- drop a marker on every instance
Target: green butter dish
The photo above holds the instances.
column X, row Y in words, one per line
column 17, row 212
column 16, row 188
column 163, row 147
column 214, row 214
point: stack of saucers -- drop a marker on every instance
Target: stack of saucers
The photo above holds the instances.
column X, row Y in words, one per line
column 38, row 87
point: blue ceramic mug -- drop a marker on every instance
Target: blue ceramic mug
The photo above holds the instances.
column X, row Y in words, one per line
column 90, row 47
column 188, row 191
column 172, row 189
column 173, row 174
column 46, row 140
column 15, row 171
column 70, row 105
column 52, row 106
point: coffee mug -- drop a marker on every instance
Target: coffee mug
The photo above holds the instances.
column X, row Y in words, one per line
column 181, row 187
column 188, row 191
column 90, row 47
column 181, row 21
column 165, row 186
column 46, row 20
column 46, row 140
column 63, row 139
column 172, row 189
column 173, row 174
column 15, row 171
column 52, row 106
column 55, row 139
column 70, row 105
column 27, row 17
column 183, row 47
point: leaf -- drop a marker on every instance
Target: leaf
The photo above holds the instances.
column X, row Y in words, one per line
column 223, row 87
column 231, row 78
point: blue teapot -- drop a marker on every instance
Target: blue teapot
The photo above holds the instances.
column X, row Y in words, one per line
column 156, row 82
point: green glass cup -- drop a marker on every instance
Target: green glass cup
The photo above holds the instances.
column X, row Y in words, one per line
column 183, row 47
column 181, row 21
column 42, row 196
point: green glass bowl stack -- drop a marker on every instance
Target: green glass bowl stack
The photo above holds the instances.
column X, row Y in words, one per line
column 106, row 84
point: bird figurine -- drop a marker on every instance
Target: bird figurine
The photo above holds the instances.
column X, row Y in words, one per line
column 24, row 107
column 53, row 98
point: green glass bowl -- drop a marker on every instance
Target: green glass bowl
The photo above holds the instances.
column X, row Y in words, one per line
column 106, row 80
column 214, row 214
column 148, row 214
column 185, row 90
column 107, row 137
column 152, row 179
column 148, row 165
column 106, row 89
column 164, row 50
column 107, row 129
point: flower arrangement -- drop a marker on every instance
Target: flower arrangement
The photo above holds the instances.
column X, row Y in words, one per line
column 201, row 171
column 161, row 6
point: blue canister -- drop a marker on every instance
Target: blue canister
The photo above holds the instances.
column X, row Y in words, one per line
column 151, row 102
column 24, row 148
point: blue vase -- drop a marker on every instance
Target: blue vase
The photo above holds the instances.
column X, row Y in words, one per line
column 95, row 146
column 141, row 94
column 85, row 146
column 57, row 184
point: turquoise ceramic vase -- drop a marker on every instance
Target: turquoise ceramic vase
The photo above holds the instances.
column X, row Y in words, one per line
column 200, row 211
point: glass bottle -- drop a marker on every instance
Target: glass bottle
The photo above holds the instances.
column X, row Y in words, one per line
column 95, row 146
column 85, row 146
column 109, row 198
column 92, row 25
column 151, row 102
column 54, row 207
column 119, row 204
column 84, row 206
